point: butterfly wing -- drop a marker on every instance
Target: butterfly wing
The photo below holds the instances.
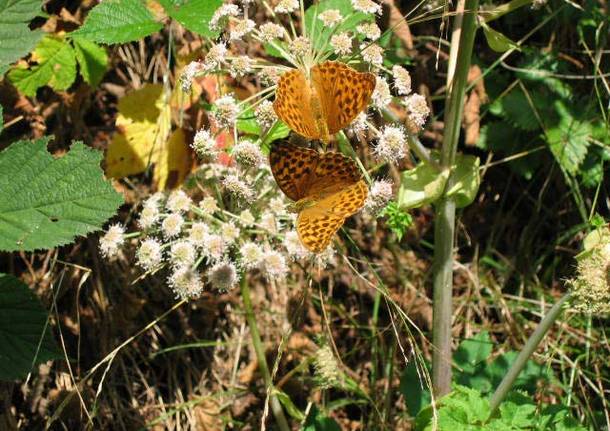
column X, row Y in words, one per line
column 333, row 172
column 292, row 166
column 317, row 224
column 343, row 92
column 293, row 104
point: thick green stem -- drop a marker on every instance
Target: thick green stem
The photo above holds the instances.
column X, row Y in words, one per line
column 527, row 351
column 444, row 229
column 276, row 407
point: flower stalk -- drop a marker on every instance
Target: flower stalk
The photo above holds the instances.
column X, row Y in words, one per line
column 463, row 32
column 276, row 407
column 528, row 350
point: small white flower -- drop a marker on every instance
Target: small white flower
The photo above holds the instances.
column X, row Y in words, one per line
column 359, row 125
column 372, row 53
column 241, row 28
column 246, row 218
column 238, row 188
column 188, row 74
column 215, row 247
column 417, row 109
column 370, row 30
column 223, row 275
column 154, row 201
column 382, row 96
column 265, row 114
column 251, row 255
column 270, row 31
column 186, row 283
column 270, row 75
column 172, row 225
column 269, row 222
column 379, row 196
column 215, row 57
column 182, row 254
column 204, row 144
column 240, row 66
column 178, row 202
column 294, row 246
column 300, row 46
column 341, row 43
column 219, row 20
column 402, row 80
column 392, row 145
column 366, row 6
column 112, row 240
column 248, row 154
column 229, row 232
column 331, row 17
column 226, row 111
column 149, row 254
column 198, row 233
column 277, row 206
column 273, row 265
column 287, row 6
column 208, row 205
column 148, row 217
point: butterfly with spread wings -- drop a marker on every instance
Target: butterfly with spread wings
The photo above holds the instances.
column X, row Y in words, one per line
column 325, row 102
column 327, row 188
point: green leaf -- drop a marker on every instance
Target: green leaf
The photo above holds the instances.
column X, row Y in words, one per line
column 497, row 41
column 398, row 219
column 58, row 198
column 421, row 185
column 568, row 140
column 516, row 109
column 56, row 67
column 24, row 335
column 16, row 39
column 118, row 21
column 412, row 389
column 92, row 60
column 289, row 405
column 518, row 411
column 466, row 180
column 316, row 421
column 194, row 15
column 473, row 351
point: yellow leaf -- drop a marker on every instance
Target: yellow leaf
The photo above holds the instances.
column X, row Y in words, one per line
column 143, row 139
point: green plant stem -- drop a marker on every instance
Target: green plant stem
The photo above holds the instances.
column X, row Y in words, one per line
column 528, row 350
column 276, row 407
column 444, row 228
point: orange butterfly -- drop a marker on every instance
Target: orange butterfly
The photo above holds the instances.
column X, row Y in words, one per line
column 326, row 187
column 326, row 101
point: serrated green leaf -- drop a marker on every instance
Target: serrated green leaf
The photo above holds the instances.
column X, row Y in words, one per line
column 466, row 180
column 473, row 351
column 421, row 185
column 56, row 67
column 568, row 140
column 118, row 21
column 516, row 109
column 92, row 60
column 16, row 39
column 497, row 41
column 46, row 202
column 194, row 15
column 24, row 333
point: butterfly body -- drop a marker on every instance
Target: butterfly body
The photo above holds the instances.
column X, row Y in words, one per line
column 326, row 189
column 324, row 101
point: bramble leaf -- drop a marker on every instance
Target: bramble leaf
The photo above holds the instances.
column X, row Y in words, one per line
column 16, row 39
column 569, row 140
column 24, row 333
column 118, row 21
column 56, row 67
column 194, row 15
column 92, row 60
column 46, row 202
